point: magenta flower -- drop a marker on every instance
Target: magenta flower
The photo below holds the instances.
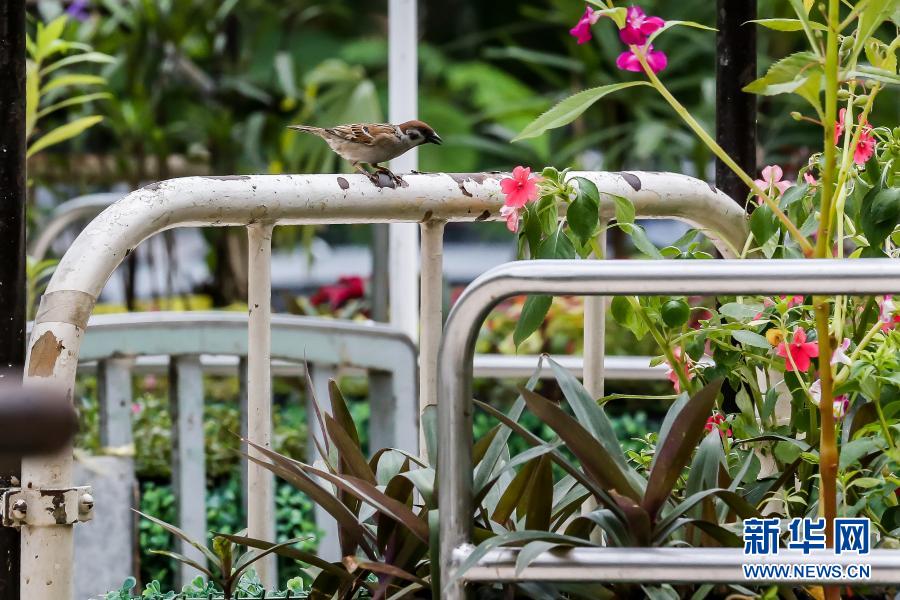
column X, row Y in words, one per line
column 582, row 29
column 798, row 352
column 521, row 188
column 771, row 182
column 683, row 361
column 638, row 26
column 629, row 61
column 717, row 421
column 839, row 126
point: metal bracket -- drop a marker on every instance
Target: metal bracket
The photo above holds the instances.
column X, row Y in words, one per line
column 45, row 507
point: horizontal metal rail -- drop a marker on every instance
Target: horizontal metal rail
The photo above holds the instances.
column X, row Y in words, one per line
column 605, row 278
column 671, row 565
column 259, row 202
column 624, row 368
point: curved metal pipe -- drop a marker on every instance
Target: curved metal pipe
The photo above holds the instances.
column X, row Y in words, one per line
column 598, row 278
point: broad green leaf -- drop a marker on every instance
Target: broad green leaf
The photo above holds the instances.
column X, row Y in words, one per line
column 83, row 99
column 583, row 213
column 672, row 24
column 47, row 38
column 571, row 108
column 530, row 552
column 763, row 224
column 556, row 246
column 533, row 313
column 72, row 79
column 625, row 212
column 880, row 214
column 787, row 24
column 870, row 19
column 642, row 242
column 674, row 450
column 749, row 338
column 62, row 133
column 740, row 312
column 540, row 502
column 799, row 73
column 84, row 57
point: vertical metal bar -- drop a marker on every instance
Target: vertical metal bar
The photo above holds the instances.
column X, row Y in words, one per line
column 402, row 96
column 260, row 481
column 188, row 457
column 114, row 394
column 329, row 543
column 594, row 358
column 245, row 427
column 12, row 245
column 735, row 110
column 432, row 319
column 380, row 279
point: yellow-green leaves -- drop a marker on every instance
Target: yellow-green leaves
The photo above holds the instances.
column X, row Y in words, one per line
column 571, row 108
column 63, row 133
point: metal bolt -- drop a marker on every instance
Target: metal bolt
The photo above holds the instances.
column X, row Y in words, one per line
column 19, row 510
column 85, row 504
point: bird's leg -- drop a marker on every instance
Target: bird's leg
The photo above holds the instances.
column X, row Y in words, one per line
column 395, row 178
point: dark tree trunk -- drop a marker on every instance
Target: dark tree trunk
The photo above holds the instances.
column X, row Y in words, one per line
column 735, row 109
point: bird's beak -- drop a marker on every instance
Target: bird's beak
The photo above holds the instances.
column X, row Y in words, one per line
column 434, row 138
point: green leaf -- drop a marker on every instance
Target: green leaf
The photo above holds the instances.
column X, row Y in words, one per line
column 32, row 97
column 625, row 211
column 763, row 224
column 540, row 501
column 72, row 79
column 799, row 73
column 749, row 338
column 62, row 133
column 740, row 312
column 672, row 24
column 571, row 108
column 583, row 213
column 787, row 24
column 48, row 37
column 594, row 457
column 870, row 19
column 556, row 246
column 533, row 313
column 880, row 214
column 83, row 99
column 674, row 450
column 642, row 242
column 84, row 57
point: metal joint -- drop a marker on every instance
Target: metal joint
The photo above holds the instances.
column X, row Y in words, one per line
column 45, row 507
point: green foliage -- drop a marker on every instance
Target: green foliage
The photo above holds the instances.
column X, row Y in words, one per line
column 49, row 78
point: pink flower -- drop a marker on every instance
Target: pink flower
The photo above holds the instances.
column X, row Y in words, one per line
column 886, row 314
column 839, row 405
column 683, row 361
column 798, row 352
column 865, row 147
column 839, row 126
column 808, row 178
column 716, row 421
column 840, row 353
column 638, row 26
column 793, row 300
column 771, row 182
column 629, row 61
column 582, row 29
column 521, row 188
column 512, row 217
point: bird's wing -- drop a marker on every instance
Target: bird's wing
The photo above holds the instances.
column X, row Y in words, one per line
column 364, row 133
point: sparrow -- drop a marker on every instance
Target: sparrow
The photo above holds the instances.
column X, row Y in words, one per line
column 374, row 143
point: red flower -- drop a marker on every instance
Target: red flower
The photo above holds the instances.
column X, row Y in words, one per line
column 629, row 61
column 839, row 126
column 582, row 29
column 347, row 288
column 716, row 421
column 638, row 26
column 865, row 146
column 799, row 352
column 521, row 188
column 684, row 362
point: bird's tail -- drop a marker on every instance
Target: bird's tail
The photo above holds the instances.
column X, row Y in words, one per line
column 307, row 129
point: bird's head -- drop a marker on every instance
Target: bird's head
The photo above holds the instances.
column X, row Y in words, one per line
column 419, row 133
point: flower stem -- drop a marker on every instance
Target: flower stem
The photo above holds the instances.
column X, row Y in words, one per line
column 675, row 364
column 721, row 154
column 828, row 451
